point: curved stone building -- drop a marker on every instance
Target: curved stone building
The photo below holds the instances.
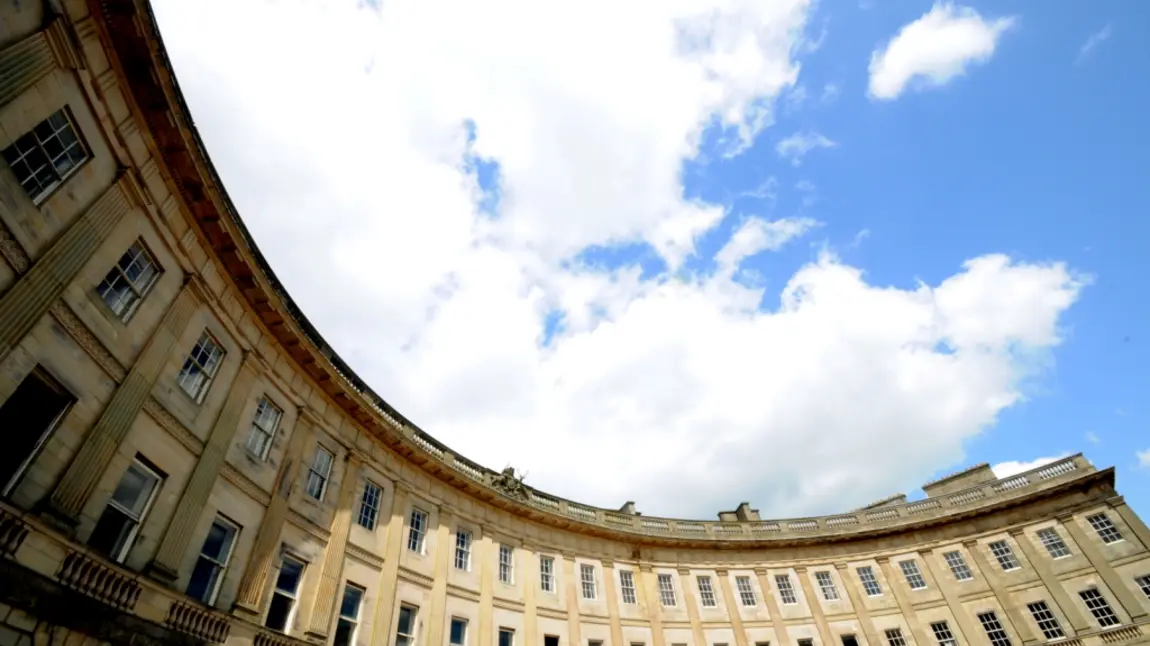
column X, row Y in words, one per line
column 185, row 460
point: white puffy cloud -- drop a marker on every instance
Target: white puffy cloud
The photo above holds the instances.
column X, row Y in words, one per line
column 342, row 136
column 797, row 145
column 934, row 49
column 1143, row 459
column 1014, row 467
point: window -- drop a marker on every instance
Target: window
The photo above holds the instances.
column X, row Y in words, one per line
column 993, row 628
column 958, row 566
column 594, row 642
column 587, row 579
column 506, row 637
column 506, row 564
column 405, row 628
column 1053, row 542
column 348, row 621
column 282, row 607
column 200, row 367
column 894, row 637
column 209, row 571
column 29, row 417
column 912, row 574
column 942, row 634
column 627, row 585
column 869, row 581
column 547, row 574
column 1001, row 551
column 806, row 641
column 746, row 591
column 849, row 640
column 1098, row 607
column 458, row 635
column 762, row 643
column 1105, row 528
column 827, row 585
column 318, row 472
column 264, row 426
column 666, row 590
column 550, row 640
column 46, row 156
column 129, row 281
column 462, row 550
column 369, row 505
column 1046, row 620
column 786, row 592
column 706, row 591
column 1143, row 582
column 417, row 531
column 116, row 530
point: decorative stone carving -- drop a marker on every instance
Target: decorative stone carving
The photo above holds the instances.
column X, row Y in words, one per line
column 510, row 484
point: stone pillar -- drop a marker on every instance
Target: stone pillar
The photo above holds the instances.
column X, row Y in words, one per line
column 1141, row 533
column 734, row 607
column 612, row 603
column 777, row 623
column 327, row 592
column 265, row 548
column 486, row 589
column 174, row 545
column 649, row 588
column 393, row 548
column 1057, row 591
column 1118, row 586
column 25, row 62
column 103, row 440
column 859, row 605
column 692, row 607
column 815, row 605
column 961, row 616
column 981, row 568
column 443, row 548
column 31, row 296
column 574, row 633
column 904, row 604
column 528, row 564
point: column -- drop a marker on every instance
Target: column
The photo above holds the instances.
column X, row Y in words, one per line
column 816, row 607
column 574, row 634
column 1132, row 520
column 486, row 589
column 436, row 616
column 385, row 607
column 31, row 296
column 649, row 588
column 859, row 605
column 612, row 603
column 772, row 604
column 266, row 545
column 904, row 605
column 1119, row 587
column 981, row 568
column 961, row 616
column 1057, row 590
column 332, row 571
column 529, row 566
column 692, row 607
column 102, row 442
column 25, row 62
column 733, row 607
column 174, row 544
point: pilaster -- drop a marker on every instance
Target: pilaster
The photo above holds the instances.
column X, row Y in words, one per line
column 692, row 606
column 25, row 62
column 649, row 589
column 961, row 616
column 332, row 571
column 443, row 547
column 1052, row 583
column 574, row 633
column 859, row 605
column 904, row 605
column 613, row 603
column 816, row 607
column 102, row 442
column 385, row 607
column 777, row 623
column 981, row 569
column 486, row 589
column 529, row 566
column 1118, row 587
column 30, row 297
column 1118, row 504
column 174, row 544
column 248, row 599
column 733, row 607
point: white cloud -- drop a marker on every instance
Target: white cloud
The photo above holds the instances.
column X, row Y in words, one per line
column 934, row 49
column 1095, row 39
column 346, row 157
column 796, row 146
column 1092, row 437
column 1143, row 459
column 831, row 93
column 1007, row 469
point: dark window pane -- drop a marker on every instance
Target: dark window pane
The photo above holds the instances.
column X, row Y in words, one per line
column 278, row 612
column 289, row 575
column 203, row 580
column 110, row 531
column 343, row 630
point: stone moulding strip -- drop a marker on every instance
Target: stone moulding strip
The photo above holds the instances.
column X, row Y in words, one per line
column 418, row 578
column 365, row 556
column 465, row 593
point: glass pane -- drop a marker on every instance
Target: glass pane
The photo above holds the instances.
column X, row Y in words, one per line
column 219, row 542
column 111, row 532
column 278, row 612
column 405, row 620
column 343, row 630
column 351, row 599
column 288, row 580
column 458, row 629
column 203, row 581
column 135, row 488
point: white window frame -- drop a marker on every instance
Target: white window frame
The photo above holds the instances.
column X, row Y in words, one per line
column 627, row 587
column 450, row 631
column 462, row 550
column 292, row 595
column 786, row 589
column 827, row 585
column 409, row 637
column 1143, row 582
column 894, row 637
column 265, row 423
column 123, row 310
column 353, row 620
column 706, row 591
column 1105, row 528
column 869, row 581
column 1052, row 541
column 370, row 502
column 506, row 564
column 1046, row 621
column 1004, row 554
column 942, row 634
column 913, row 575
column 209, row 367
column 958, row 567
column 417, row 530
column 547, row 573
column 587, row 581
column 747, row 596
column 43, row 190
column 319, row 473
column 129, row 540
column 1099, row 607
column 503, row 630
column 220, row 566
column 667, row 596
column 993, row 629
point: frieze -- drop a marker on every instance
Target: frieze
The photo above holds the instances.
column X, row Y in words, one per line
column 508, row 604
column 87, row 341
column 417, row 578
column 463, row 593
column 173, row 426
column 367, row 557
column 241, row 481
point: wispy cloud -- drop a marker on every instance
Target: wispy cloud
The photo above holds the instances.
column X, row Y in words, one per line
column 831, row 93
column 1143, row 459
column 796, row 146
column 1092, row 43
column 1092, row 437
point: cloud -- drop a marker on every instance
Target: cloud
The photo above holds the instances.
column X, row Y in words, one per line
column 830, row 94
column 1095, row 39
column 796, row 146
column 1092, row 437
column 1143, row 459
column 1007, row 469
column 353, row 160
column 934, row 49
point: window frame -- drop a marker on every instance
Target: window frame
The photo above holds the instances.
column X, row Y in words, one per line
column 293, row 596
column 462, row 555
column 786, row 589
column 1046, row 620
column 503, row 630
column 746, row 590
column 666, row 585
column 943, row 634
column 257, row 430
column 627, row 587
column 1105, row 528
column 413, row 612
column 138, row 293
column 1052, row 541
column 707, row 591
column 49, row 382
column 369, row 505
column 417, row 531
column 912, row 574
column 894, row 636
column 451, row 631
column 1143, row 583
column 587, row 581
column 354, row 621
column 869, row 581
column 127, row 541
column 958, row 566
column 827, row 586
column 1099, row 607
column 209, row 375
column 506, row 564
column 547, row 573
column 995, row 633
column 1004, row 554
column 221, row 567
column 48, row 189
column 314, row 475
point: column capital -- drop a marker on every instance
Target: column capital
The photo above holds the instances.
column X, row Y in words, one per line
column 607, row 563
column 970, row 543
column 1016, row 531
column 1064, row 516
column 800, row 569
column 882, row 560
column 644, row 566
column 684, row 571
column 761, row 571
column 722, row 572
column 840, row 566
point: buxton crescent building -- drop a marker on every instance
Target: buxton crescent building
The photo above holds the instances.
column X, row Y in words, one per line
column 185, row 461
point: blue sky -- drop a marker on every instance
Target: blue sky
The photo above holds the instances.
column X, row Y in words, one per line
column 637, row 249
